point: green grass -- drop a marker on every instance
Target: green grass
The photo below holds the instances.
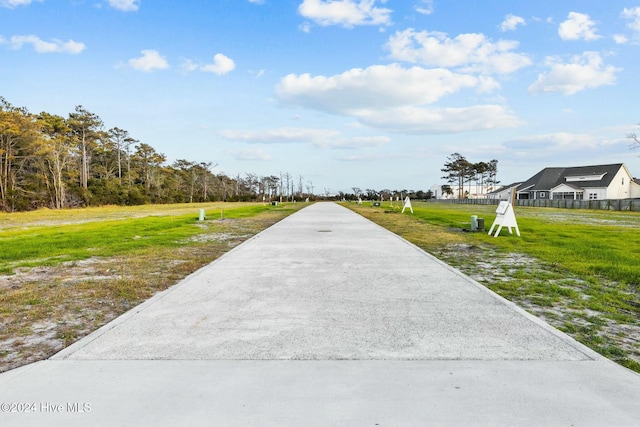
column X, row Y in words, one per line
column 48, row 217
column 101, row 236
column 579, row 241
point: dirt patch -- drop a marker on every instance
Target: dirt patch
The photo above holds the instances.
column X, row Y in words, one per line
column 571, row 304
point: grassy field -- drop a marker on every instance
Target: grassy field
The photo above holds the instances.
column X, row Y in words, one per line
column 578, row 270
column 64, row 274
column 52, row 237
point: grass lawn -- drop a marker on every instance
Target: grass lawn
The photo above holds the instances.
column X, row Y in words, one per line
column 53, row 237
column 64, row 274
column 579, row 270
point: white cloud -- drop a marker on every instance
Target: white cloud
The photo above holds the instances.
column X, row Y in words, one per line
column 285, row 135
column 256, row 1
column 473, row 52
column 395, row 98
column 578, row 26
column 378, row 86
column 319, row 138
column 552, row 142
column 188, row 65
column 125, row 5
column 149, row 61
column 425, row 7
column 41, row 46
column 605, row 145
column 347, row 13
column 511, row 22
column 620, row 39
column 362, row 157
column 10, row 4
column 420, row 120
column 633, row 15
column 353, row 143
column 305, row 27
column 222, row 64
column 250, row 154
column 585, row 71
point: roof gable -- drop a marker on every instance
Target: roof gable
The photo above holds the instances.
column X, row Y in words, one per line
column 568, row 187
column 504, row 188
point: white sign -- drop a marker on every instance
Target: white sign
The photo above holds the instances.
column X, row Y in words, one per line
column 506, row 218
column 407, row 204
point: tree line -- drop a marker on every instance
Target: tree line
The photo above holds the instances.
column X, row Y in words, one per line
column 47, row 160
column 385, row 194
column 460, row 172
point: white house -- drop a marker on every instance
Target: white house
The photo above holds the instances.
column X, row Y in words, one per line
column 469, row 192
column 598, row 182
column 502, row 193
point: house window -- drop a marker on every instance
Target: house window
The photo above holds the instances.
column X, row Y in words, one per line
column 542, row 194
column 623, row 180
column 567, row 195
column 593, row 196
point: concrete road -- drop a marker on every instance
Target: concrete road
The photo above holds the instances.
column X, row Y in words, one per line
column 324, row 319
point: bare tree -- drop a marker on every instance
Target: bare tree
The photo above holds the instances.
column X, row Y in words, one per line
column 288, row 184
column 122, row 141
column 252, row 183
column 635, row 139
column 300, row 190
column 86, row 128
column 55, row 154
column 206, row 168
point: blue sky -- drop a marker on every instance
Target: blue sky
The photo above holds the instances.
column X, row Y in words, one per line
column 347, row 93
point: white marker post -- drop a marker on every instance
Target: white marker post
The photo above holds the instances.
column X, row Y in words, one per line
column 407, row 204
column 506, row 217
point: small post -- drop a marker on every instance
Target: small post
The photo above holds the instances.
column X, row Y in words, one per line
column 201, row 216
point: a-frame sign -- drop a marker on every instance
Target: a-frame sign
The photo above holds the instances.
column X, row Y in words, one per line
column 506, row 216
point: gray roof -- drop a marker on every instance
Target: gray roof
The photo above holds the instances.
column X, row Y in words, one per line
column 549, row 178
column 505, row 187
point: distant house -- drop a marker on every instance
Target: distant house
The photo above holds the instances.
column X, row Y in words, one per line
column 597, row 182
column 502, row 193
column 473, row 191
